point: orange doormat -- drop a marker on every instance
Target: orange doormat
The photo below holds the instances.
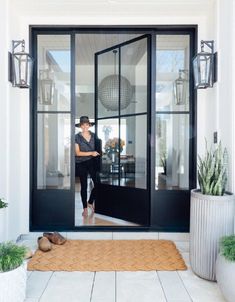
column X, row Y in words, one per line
column 109, row 255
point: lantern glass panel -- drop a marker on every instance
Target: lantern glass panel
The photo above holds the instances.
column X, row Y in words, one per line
column 180, row 91
column 54, row 73
column 47, row 91
column 22, row 66
column 172, row 55
column 205, row 70
column 196, row 71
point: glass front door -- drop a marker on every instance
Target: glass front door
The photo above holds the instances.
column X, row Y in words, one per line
column 121, row 85
column 136, row 84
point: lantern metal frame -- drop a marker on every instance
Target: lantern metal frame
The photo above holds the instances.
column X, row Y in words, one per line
column 205, row 66
column 180, row 96
column 20, row 75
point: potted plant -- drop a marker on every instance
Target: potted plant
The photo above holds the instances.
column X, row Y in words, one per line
column 225, row 267
column 212, row 212
column 3, row 206
column 13, row 273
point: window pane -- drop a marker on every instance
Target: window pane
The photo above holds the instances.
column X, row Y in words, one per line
column 131, row 148
column 53, row 73
column 108, row 83
column 108, row 132
column 133, row 86
column 172, row 78
column 53, row 149
column 172, row 151
column 134, row 155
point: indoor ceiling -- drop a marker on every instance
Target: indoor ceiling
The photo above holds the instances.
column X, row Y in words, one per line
column 88, row 44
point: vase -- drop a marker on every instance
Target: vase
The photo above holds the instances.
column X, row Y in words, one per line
column 13, row 284
column 211, row 217
column 113, row 156
column 225, row 275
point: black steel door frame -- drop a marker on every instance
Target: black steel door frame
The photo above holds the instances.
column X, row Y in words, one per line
column 140, row 213
column 152, row 30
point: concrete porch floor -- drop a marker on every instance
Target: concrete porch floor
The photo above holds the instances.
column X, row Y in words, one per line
column 149, row 286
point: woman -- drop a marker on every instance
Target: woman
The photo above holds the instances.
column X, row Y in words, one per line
column 85, row 150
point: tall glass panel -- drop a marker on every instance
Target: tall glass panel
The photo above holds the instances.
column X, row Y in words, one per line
column 53, row 159
column 172, row 59
column 108, row 83
column 172, row 155
column 133, row 85
column 133, row 158
column 53, row 93
column 108, row 132
column 172, row 126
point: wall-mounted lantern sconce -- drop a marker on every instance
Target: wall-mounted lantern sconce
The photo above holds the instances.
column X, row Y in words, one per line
column 47, row 87
column 20, row 66
column 180, row 87
column 204, row 66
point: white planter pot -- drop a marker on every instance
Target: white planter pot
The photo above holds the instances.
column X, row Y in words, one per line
column 3, row 213
column 211, row 217
column 13, row 285
column 225, row 275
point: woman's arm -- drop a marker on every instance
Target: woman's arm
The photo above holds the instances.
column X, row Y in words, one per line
column 81, row 153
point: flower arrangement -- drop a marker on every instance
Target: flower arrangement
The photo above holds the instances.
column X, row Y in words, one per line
column 114, row 145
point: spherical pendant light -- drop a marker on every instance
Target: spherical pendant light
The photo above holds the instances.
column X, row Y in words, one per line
column 110, row 87
column 109, row 92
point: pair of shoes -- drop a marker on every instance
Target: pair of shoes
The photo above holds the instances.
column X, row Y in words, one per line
column 44, row 244
column 55, row 238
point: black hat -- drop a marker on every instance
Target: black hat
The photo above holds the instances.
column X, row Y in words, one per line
column 84, row 120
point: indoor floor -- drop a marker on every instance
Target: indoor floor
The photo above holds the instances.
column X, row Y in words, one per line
column 94, row 219
column 140, row 286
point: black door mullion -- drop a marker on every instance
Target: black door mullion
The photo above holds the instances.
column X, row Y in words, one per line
column 119, row 112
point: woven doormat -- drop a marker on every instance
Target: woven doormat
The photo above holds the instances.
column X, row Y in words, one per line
column 109, row 255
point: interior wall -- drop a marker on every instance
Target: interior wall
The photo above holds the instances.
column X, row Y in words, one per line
column 17, row 153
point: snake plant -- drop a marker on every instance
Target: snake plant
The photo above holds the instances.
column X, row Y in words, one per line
column 212, row 171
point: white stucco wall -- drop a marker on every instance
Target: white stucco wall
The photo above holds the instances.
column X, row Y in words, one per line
column 4, row 151
column 214, row 105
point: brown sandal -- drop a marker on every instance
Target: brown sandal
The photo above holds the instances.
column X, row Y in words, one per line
column 55, row 238
column 44, row 244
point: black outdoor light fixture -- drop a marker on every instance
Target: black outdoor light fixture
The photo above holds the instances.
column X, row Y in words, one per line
column 180, row 86
column 46, row 86
column 204, row 68
column 21, row 65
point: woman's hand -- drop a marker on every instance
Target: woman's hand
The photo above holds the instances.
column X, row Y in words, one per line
column 94, row 153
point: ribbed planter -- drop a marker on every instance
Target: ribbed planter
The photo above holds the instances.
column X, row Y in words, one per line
column 225, row 275
column 211, row 217
column 13, row 285
column 3, row 213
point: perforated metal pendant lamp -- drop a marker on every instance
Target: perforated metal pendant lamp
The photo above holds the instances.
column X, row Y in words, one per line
column 110, row 87
column 109, row 92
